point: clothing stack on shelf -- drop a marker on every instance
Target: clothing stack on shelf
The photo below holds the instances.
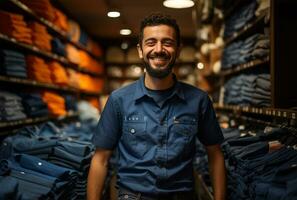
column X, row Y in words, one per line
column 13, row 25
column 249, row 90
column 40, row 36
column 255, row 47
column 55, row 103
column 42, row 8
column 34, row 105
column 12, row 63
column 59, row 73
column 38, row 69
column 11, row 107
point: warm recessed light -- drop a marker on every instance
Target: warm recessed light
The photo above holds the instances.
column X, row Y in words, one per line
column 178, row 3
column 200, row 65
column 113, row 14
column 125, row 31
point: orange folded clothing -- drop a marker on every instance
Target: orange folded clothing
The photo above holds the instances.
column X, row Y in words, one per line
column 89, row 84
column 94, row 48
column 40, row 36
column 94, row 102
column 42, row 8
column 73, row 30
column 13, row 25
column 73, row 78
column 72, row 53
column 59, row 74
column 38, row 69
column 60, row 20
column 55, row 103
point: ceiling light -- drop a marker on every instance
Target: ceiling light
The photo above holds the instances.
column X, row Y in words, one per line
column 178, row 3
column 113, row 14
column 200, row 65
column 125, row 31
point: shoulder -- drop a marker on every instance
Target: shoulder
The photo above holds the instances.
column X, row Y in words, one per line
column 124, row 92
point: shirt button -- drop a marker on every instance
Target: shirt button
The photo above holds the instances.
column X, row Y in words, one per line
column 126, row 196
column 132, row 130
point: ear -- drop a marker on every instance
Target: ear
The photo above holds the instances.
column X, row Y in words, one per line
column 140, row 53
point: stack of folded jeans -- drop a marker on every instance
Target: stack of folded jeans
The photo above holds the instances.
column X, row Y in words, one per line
column 249, row 89
column 42, row 8
column 12, row 63
column 40, row 36
column 37, row 69
column 257, row 171
column 34, row 106
column 13, row 25
column 240, row 52
column 58, row 47
column 59, row 74
column 51, row 144
column 70, row 102
column 11, row 107
column 240, row 18
column 83, row 38
column 55, row 103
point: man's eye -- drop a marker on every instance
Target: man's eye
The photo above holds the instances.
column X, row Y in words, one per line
column 168, row 43
column 150, row 43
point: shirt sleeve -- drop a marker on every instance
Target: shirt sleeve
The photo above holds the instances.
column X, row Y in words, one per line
column 108, row 130
column 209, row 131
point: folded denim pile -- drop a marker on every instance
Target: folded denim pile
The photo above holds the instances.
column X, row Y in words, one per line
column 46, row 162
column 14, row 25
column 248, row 90
column 12, row 63
column 257, row 170
column 34, row 105
column 58, row 47
column 11, row 107
column 255, row 47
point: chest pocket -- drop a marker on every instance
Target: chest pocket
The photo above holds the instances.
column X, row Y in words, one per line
column 134, row 137
column 184, row 130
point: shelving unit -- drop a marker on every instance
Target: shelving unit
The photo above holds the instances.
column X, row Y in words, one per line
column 45, row 54
column 62, row 34
column 245, row 66
column 247, row 29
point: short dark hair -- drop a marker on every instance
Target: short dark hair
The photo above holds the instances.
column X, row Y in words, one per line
column 155, row 19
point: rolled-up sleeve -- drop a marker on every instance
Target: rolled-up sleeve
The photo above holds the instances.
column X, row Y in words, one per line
column 108, row 130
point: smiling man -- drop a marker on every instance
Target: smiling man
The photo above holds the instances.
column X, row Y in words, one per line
column 153, row 124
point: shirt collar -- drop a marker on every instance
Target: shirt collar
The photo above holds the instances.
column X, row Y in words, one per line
column 141, row 91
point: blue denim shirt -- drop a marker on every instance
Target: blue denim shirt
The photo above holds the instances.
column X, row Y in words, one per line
column 156, row 145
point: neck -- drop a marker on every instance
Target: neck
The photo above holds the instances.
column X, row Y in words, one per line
column 158, row 84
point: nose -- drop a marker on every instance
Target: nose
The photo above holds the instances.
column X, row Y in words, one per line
column 158, row 47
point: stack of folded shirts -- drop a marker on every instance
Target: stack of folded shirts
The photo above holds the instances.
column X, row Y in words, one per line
column 73, row 30
column 42, row 8
column 55, row 103
column 11, row 107
column 73, row 78
column 60, row 20
column 59, row 74
column 72, row 53
column 38, row 69
column 89, row 63
column 34, row 105
column 13, row 25
column 58, row 47
column 40, row 36
column 89, row 84
column 12, row 63
column 94, row 48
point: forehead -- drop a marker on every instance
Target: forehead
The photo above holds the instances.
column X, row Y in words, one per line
column 159, row 32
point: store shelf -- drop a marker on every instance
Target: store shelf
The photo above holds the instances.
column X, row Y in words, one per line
column 273, row 112
column 49, row 55
column 128, row 64
column 37, row 84
column 236, row 5
column 62, row 34
column 245, row 66
column 30, row 121
column 122, row 78
column 246, row 30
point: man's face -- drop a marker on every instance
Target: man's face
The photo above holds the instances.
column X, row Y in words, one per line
column 158, row 50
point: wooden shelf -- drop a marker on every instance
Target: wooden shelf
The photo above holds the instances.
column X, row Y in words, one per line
column 12, row 125
column 245, row 66
column 246, row 30
column 273, row 112
column 62, row 34
column 122, row 78
column 49, row 55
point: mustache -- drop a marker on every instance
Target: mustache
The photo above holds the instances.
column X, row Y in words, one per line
column 158, row 55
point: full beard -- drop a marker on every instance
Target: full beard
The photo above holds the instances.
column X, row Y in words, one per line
column 158, row 72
